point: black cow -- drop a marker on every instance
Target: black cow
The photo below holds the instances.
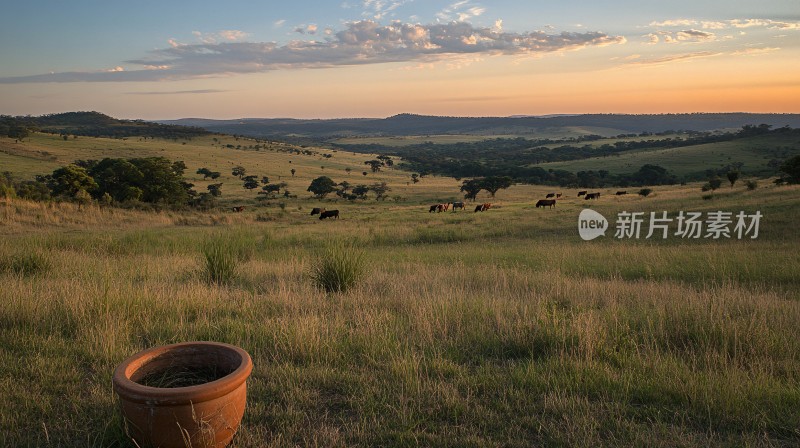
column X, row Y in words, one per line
column 316, row 211
column 434, row 208
column 621, row 192
column 458, row 205
column 592, row 196
column 550, row 195
column 238, row 209
column 546, row 202
column 581, row 193
column 329, row 214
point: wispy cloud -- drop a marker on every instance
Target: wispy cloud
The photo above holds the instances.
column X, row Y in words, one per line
column 379, row 9
column 724, row 24
column 460, row 11
column 179, row 92
column 220, row 36
column 674, row 58
column 362, row 42
column 755, row 51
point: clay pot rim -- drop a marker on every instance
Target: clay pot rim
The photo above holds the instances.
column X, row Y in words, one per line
column 133, row 391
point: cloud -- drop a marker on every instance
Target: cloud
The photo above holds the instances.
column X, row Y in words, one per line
column 378, row 9
column 734, row 23
column 360, row 43
column 306, row 29
column 694, row 36
column 220, row 36
column 178, row 92
column 673, row 22
column 674, row 58
column 755, row 51
column 460, row 11
column 279, row 23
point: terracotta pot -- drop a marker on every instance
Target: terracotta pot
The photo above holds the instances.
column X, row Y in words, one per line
column 203, row 415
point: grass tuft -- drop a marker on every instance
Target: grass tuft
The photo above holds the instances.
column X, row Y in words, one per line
column 339, row 269
column 25, row 264
column 220, row 261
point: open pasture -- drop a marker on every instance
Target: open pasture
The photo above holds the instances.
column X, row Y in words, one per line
column 499, row 328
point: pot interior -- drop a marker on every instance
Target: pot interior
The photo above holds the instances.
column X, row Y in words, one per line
column 186, row 366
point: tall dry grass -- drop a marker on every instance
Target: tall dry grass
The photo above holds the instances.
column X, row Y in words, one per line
column 493, row 329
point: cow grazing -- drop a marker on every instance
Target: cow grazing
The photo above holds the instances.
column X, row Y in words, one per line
column 445, row 206
column 621, row 192
column 550, row 195
column 546, row 202
column 434, row 208
column 316, row 211
column 479, row 208
column 329, row 214
column 238, row 209
column 592, row 196
column 558, row 196
column 483, row 207
column 458, row 205
column 581, row 193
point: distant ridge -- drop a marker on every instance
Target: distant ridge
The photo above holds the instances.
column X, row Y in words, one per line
column 412, row 124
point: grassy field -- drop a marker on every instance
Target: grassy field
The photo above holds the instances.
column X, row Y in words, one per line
column 753, row 152
column 500, row 328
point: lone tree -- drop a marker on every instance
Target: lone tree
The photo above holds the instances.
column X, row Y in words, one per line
column 250, row 182
column 494, row 183
column 471, row 188
column 215, row 189
column 380, row 189
column 322, row 186
column 792, row 169
column 205, row 172
column 415, row 178
column 293, row 171
column 238, row 171
column 733, row 176
column 375, row 165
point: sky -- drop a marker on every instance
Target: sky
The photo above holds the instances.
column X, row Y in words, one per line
column 376, row 58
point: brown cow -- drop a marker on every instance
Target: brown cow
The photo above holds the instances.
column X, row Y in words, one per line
column 558, row 196
column 581, row 193
column 238, row 209
column 329, row 214
column 546, row 202
column 458, row 205
column 483, row 207
column 316, row 211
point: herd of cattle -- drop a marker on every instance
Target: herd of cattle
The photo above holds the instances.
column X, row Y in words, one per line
column 439, row 208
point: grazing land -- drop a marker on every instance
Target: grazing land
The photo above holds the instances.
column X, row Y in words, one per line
column 500, row 328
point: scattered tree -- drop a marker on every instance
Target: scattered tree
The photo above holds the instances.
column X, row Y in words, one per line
column 239, row 171
column 360, row 191
column 375, row 165
column 792, row 169
column 471, row 188
column 68, row 180
column 714, row 183
column 322, row 186
column 215, row 190
column 494, row 183
column 415, row 178
column 250, row 182
column 733, row 176
column 380, row 189
column 293, row 171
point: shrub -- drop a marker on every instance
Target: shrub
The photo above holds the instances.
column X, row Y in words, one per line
column 220, row 261
column 645, row 192
column 27, row 263
column 751, row 185
column 339, row 269
column 707, row 197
